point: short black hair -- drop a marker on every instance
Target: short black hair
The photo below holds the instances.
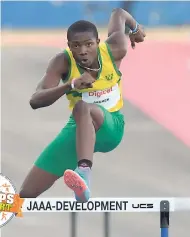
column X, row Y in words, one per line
column 81, row 26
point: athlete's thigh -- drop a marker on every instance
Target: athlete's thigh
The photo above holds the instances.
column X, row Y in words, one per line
column 36, row 182
column 97, row 115
column 60, row 154
column 110, row 134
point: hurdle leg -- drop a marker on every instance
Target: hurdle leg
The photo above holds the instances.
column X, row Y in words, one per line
column 164, row 218
column 73, row 224
column 107, row 224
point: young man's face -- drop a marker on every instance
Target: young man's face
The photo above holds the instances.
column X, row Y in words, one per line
column 84, row 48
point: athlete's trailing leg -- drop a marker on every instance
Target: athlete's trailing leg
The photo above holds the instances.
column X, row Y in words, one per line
column 36, row 182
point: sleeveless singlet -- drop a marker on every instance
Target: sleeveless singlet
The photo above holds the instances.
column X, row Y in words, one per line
column 106, row 89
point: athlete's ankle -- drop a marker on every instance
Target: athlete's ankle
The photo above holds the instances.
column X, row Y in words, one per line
column 84, row 163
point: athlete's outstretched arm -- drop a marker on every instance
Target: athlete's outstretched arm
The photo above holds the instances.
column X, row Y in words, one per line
column 116, row 32
column 48, row 89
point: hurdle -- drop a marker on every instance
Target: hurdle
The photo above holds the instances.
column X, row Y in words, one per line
column 163, row 206
column 164, row 221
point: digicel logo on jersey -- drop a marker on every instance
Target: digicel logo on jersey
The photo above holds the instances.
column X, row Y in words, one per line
column 100, row 93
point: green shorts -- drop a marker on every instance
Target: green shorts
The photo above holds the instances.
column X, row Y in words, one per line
column 60, row 154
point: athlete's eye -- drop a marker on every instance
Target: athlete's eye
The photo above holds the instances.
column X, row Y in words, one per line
column 75, row 46
column 89, row 44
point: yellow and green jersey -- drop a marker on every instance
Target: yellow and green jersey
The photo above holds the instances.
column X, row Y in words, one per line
column 106, row 89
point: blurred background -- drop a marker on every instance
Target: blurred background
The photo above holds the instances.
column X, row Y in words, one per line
column 60, row 14
column 154, row 157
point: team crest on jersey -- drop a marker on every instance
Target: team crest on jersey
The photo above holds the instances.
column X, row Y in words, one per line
column 109, row 77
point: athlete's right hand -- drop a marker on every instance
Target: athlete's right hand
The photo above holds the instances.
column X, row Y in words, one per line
column 84, row 81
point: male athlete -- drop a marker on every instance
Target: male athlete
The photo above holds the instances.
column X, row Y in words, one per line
column 90, row 79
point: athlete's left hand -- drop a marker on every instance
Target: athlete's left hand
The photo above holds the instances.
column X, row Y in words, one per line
column 137, row 37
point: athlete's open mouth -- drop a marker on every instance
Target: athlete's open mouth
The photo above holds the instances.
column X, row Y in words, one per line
column 84, row 61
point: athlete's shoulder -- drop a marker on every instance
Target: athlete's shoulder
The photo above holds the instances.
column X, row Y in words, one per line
column 59, row 57
column 59, row 63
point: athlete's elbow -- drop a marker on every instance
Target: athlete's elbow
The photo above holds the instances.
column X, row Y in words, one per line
column 117, row 10
column 38, row 104
column 34, row 104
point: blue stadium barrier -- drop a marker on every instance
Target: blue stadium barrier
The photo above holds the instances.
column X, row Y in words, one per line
column 49, row 15
column 60, row 14
column 161, row 13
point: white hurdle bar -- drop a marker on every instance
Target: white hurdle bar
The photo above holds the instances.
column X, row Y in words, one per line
column 104, row 205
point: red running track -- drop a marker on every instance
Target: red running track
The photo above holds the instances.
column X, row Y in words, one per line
column 156, row 78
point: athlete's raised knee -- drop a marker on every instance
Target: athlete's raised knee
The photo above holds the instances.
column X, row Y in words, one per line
column 83, row 110
column 80, row 108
